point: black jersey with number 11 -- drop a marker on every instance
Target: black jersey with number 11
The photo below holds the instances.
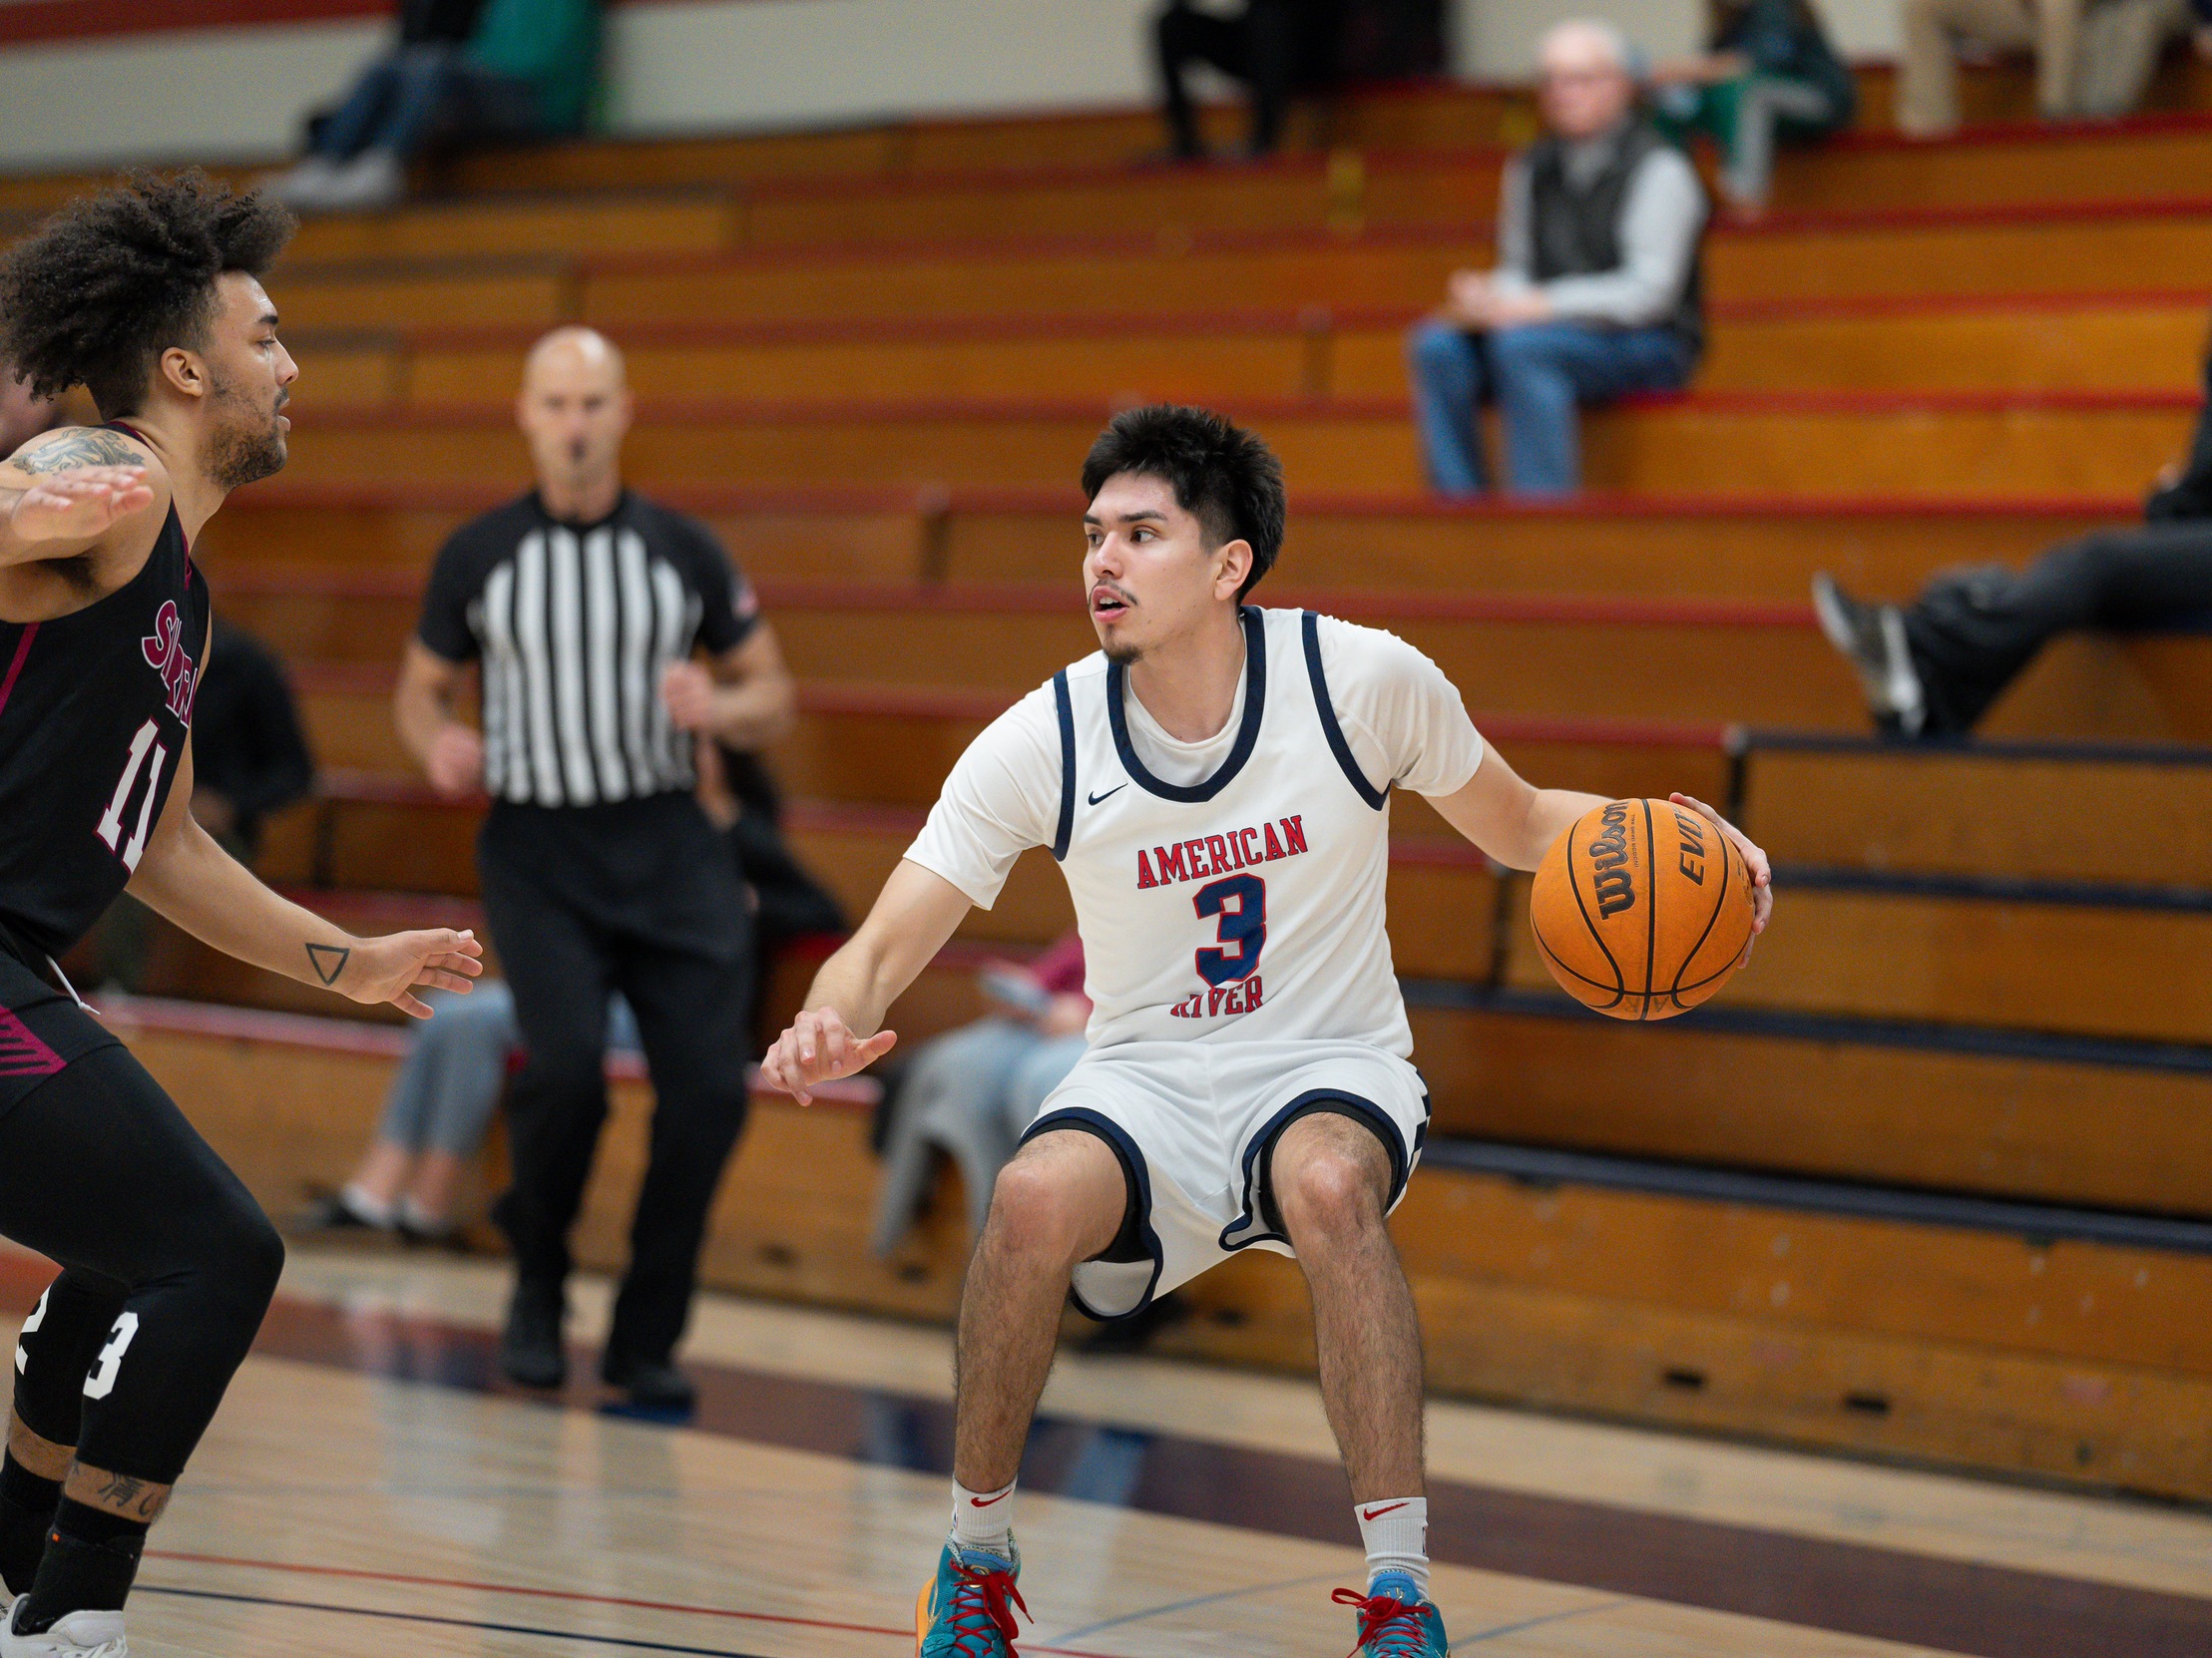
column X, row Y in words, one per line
column 94, row 713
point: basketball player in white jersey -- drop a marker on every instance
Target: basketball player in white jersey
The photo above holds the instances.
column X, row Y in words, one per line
column 1215, row 784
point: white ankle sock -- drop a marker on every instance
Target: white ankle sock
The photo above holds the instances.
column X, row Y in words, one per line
column 1396, row 1531
column 983, row 1520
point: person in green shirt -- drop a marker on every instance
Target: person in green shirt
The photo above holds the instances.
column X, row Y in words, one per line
column 515, row 69
column 1768, row 74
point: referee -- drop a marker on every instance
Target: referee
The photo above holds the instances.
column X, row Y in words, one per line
column 582, row 605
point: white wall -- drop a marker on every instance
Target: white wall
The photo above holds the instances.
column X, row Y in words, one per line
column 713, row 64
column 217, row 94
column 716, row 65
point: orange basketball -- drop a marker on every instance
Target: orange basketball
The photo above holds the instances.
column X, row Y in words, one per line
column 1641, row 910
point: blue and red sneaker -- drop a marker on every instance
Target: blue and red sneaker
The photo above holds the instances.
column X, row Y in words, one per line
column 966, row 1609
column 1395, row 1620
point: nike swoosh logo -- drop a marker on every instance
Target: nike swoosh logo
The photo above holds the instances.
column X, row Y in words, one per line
column 1378, row 1514
column 985, row 1501
column 1117, row 789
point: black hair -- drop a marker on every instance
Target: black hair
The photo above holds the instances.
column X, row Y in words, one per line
column 99, row 291
column 1221, row 474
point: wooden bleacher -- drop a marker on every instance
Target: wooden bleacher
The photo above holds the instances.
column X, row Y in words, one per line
column 1930, row 1179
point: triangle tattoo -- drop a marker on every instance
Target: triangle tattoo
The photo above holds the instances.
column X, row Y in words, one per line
column 328, row 961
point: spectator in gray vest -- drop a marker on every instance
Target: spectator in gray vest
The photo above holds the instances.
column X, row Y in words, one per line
column 1595, row 292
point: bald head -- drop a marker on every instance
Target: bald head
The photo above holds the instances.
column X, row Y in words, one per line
column 1583, row 76
column 575, row 353
column 575, row 409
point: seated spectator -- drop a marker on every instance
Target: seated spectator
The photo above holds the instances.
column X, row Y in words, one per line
column 1933, row 668
column 1768, row 74
column 1595, row 292
column 2121, row 42
column 1933, row 31
column 1275, row 47
column 970, row 1092
column 442, row 1100
column 463, row 71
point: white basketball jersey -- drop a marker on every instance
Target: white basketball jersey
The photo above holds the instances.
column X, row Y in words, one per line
column 1248, row 906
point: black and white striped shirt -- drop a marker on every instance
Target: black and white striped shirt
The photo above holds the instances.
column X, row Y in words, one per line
column 574, row 625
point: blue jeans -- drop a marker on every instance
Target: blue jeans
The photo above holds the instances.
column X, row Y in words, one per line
column 407, row 96
column 1537, row 375
column 449, row 1086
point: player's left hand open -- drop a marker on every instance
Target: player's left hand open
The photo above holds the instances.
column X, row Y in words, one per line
column 394, row 968
column 1762, row 874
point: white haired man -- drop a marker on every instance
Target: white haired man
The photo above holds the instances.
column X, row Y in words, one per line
column 1595, row 292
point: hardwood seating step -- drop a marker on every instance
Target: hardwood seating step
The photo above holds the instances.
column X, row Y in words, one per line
column 1936, row 1333
column 1968, row 1109
column 1719, row 445
column 1997, row 253
column 284, row 533
column 1956, row 955
column 626, row 221
column 2069, row 344
column 2026, row 812
column 1637, row 663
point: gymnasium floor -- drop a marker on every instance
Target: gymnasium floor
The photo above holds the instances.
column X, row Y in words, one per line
column 367, row 1491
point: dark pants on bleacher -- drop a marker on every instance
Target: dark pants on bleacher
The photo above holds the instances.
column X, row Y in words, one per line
column 1972, row 630
column 1260, row 49
column 641, row 896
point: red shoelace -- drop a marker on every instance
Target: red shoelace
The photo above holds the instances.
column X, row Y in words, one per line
column 1382, row 1615
column 983, row 1595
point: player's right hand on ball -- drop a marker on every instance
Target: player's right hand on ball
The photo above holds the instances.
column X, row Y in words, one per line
column 79, row 503
column 819, row 1048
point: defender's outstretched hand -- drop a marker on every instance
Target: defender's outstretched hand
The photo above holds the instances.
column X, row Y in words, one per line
column 79, row 501
column 1762, row 876
column 394, row 968
column 819, row 1048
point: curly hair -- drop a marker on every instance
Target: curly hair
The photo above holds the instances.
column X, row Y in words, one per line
column 1224, row 475
column 109, row 283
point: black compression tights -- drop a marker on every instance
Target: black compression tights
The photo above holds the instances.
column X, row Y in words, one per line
column 168, row 1267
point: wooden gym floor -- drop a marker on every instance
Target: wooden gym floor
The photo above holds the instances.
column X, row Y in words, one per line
column 369, row 1491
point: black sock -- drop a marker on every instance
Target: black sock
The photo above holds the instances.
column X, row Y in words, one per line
column 27, row 1505
column 91, row 1558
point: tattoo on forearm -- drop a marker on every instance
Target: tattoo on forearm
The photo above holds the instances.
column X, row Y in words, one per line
column 328, row 961
column 80, row 446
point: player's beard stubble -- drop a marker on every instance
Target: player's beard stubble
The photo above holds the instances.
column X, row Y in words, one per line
column 247, row 445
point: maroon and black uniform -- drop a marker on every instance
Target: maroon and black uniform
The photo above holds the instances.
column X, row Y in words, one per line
column 94, row 713
column 168, row 1262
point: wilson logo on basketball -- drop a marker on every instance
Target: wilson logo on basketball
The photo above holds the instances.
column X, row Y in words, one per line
column 1614, row 886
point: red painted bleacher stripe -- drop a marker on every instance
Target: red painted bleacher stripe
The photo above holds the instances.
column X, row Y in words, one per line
column 690, row 337
column 925, row 411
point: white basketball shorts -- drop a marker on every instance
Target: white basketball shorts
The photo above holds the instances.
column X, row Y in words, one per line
column 1194, row 1123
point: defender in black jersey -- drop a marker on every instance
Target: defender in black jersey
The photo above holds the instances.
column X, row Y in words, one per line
column 150, row 296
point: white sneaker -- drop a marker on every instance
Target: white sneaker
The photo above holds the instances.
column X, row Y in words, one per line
column 303, row 188
column 373, row 180
column 80, row 1636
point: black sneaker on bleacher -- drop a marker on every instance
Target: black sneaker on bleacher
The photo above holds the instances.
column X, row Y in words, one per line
column 1871, row 638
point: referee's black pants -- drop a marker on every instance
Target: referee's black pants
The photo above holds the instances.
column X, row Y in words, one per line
column 643, row 897
column 1972, row 630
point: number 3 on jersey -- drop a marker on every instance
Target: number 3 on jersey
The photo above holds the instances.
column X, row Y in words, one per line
column 1241, row 903
column 111, row 821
